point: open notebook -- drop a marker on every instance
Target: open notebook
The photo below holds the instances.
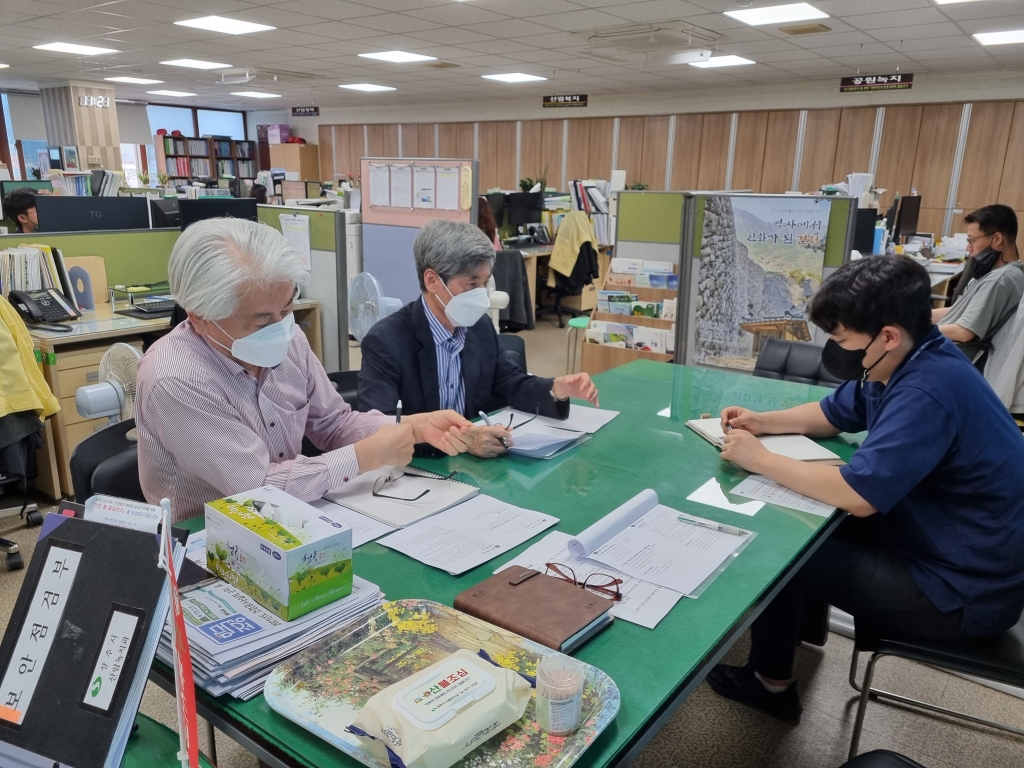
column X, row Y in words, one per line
column 796, row 447
column 397, row 508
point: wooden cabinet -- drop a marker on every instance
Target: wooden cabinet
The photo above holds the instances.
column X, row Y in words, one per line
column 303, row 159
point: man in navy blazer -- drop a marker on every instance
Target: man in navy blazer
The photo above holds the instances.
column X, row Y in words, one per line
column 442, row 347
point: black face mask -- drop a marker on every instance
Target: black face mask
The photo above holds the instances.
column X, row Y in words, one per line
column 847, row 364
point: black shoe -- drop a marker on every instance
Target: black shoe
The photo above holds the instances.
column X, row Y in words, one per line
column 740, row 684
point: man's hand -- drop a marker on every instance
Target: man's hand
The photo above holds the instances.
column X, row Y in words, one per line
column 483, row 441
column 744, row 450
column 435, row 428
column 742, row 419
column 578, row 385
column 388, row 445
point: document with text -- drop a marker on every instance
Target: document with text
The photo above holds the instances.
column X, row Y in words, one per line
column 761, row 488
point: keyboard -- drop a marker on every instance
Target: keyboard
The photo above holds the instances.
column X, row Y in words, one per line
column 157, row 305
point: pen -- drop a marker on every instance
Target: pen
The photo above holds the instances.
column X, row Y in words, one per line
column 398, row 413
column 490, row 423
column 721, row 527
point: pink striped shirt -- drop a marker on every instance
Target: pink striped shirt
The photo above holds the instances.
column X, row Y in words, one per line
column 208, row 428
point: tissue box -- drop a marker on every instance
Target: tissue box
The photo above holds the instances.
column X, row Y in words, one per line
column 627, row 266
column 651, row 267
column 285, row 554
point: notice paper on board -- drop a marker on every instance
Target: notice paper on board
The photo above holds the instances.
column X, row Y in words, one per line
column 380, row 184
column 448, row 188
column 401, row 186
column 424, row 188
column 296, row 233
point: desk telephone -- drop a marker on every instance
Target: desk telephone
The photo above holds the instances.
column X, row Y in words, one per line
column 49, row 306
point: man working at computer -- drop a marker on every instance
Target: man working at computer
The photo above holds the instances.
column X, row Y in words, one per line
column 441, row 350
column 935, row 492
column 224, row 399
column 994, row 282
column 20, row 207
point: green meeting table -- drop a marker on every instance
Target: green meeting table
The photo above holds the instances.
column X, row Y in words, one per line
column 647, row 446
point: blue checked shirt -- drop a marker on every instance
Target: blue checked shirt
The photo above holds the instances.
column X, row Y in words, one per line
column 449, row 362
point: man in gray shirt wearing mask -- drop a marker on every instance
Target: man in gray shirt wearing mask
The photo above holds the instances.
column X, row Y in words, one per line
column 992, row 284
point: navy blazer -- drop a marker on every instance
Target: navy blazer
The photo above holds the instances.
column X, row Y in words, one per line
column 400, row 363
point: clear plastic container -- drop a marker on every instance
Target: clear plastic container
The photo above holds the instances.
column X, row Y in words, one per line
column 560, row 683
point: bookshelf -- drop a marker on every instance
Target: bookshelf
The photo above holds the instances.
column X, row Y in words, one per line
column 186, row 157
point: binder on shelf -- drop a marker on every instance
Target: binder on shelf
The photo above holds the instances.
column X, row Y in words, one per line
column 78, row 648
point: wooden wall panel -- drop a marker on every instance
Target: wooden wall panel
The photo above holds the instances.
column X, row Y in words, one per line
column 631, row 147
column 488, row 156
column 820, row 139
column 655, row 151
column 601, row 132
column 780, row 151
column 714, row 151
column 936, row 146
column 530, row 151
column 497, row 155
column 383, row 140
column 411, row 141
column 985, row 155
column 341, row 146
column 551, row 153
column 456, row 140
column 686, row 152
column 577, row 164
column 900, row 133
column 856, row 134
column 748, row 157
column 427, row 146
column 325, row 139
column 1011, row 188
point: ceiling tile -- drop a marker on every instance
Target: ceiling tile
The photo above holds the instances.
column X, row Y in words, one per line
column 451, row 36
column 458, row 14
column 339, row 30
column 399, row 23
column 334, row 10
column 896, row 19
column 509, row 29
column 577, row 20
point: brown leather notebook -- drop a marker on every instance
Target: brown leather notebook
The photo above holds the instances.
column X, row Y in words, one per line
column 545, row 609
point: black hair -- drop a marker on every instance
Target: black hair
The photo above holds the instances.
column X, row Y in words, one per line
column 995, row 218
column 876, row 291
column 18, row 201
column 260, row 193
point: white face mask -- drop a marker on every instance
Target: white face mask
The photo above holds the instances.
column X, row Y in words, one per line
column 467, row 308
column 267, row 347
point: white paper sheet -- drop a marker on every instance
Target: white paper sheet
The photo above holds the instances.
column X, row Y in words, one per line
column 296, row 233
column 401, row 186
column 542, row 442
column 424, row 187
column 195, row 548
column 380, row 184
column 469, row 534
column 364, row 528
column 584, row 543
column 642, row 603
column 581, row 418
column 711, row 494
column 661, row 549
column 448, row 188
column 764, row 489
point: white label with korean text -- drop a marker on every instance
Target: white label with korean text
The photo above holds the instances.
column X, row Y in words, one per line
column 116, row 644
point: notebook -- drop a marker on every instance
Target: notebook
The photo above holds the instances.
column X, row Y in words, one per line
column 402, row 503
column 796, row 447
column 546, row 609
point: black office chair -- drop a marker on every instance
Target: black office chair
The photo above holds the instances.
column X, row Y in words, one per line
column 107, row 462
column 881, row 758
column 793, row 361
column 1000, row 659
column 515, row 348
column 347, row 385
column 583, row 274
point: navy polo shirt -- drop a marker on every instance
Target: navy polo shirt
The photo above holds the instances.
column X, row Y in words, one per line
column 943, row 463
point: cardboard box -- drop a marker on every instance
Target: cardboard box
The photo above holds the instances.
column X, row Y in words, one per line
column 278, row 134
column 285, row 554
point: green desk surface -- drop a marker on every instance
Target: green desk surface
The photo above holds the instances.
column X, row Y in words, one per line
column 638, row 450
column 153, row 745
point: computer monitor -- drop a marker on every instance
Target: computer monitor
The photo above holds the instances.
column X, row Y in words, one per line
column 497, row 203
column 909, row 213
column 165, row 213
column 96, row 182
column 864, row 230
column 87, row 214
column 215, row 208
column 525, row 208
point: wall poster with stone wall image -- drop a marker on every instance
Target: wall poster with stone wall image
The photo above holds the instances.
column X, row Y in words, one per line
column 761, row 259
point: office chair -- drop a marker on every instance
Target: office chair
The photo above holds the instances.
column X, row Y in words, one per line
column 1000, row 659
column 793, row 361
column 346, row 384
column 107, row 462
column 515, row 348
column 881, row 758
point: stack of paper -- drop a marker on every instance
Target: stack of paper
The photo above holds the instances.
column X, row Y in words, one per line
column 236, row 643
column 797, row 447
column 414, row 495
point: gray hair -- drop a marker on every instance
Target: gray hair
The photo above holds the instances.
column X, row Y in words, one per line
column 452, row 249
column 214, row 261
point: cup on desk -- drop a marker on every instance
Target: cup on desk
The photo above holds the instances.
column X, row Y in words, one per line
column 899, row 250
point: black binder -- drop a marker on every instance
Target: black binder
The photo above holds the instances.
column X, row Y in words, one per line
column 77, row 715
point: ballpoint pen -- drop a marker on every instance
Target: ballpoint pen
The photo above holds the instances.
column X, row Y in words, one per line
column 490, row 423
column 721, row 527
column 398, row 413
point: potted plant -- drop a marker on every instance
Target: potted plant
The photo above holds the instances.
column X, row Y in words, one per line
column 162, row 178
column 637, row 185
column 144, row 178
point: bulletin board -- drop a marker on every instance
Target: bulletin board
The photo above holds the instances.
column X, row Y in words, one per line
column 398, row 197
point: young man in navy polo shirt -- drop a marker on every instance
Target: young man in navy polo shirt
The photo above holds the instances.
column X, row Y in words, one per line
column 933, row 544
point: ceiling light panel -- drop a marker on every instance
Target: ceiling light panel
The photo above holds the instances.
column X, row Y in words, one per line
column 397, row 57
column 722, row 61
column 777, row 14
column 133, row 80
column 83, row 50
column 170, row 93
column 257, row 94
column 224, row 25
column 195, row 64
column 368, row 87
column 514, row 77
column 1000, row 38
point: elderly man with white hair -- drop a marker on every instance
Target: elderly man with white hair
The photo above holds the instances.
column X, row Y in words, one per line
column 225, row 398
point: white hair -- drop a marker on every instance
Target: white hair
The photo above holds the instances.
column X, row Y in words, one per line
column 215, row 260
column 452, row 249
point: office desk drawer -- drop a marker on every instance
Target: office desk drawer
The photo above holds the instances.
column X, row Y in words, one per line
column 76, row 433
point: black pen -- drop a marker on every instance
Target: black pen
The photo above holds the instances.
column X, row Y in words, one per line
column 398, row 413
